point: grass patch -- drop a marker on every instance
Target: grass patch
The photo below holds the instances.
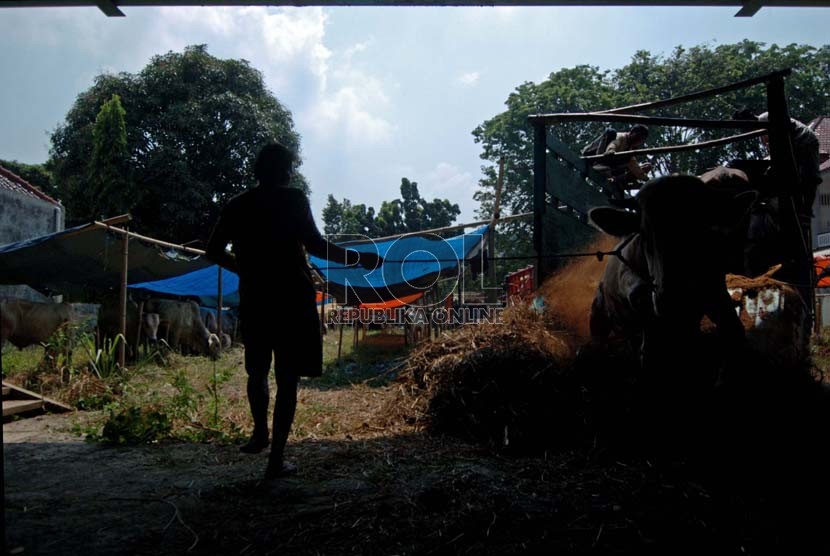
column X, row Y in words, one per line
column 197, row 399
column 372, row 362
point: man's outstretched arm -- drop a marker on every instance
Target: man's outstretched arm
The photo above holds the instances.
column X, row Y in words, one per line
column 318, row 246
column 217, row 244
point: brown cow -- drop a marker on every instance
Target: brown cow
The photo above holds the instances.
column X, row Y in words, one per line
column 183, row 326
column 109, row 323
column 25, row 323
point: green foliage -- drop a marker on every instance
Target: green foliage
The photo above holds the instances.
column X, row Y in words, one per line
column 135, row 425
column 646, row 78
column 36, row 174
column 194, row 125
column 220, row 377
column 410, row 213
column 185, row 402
column 102, row 361
column 108, row 191
column 58, row 350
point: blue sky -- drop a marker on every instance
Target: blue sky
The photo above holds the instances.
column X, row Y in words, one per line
column 377, row 93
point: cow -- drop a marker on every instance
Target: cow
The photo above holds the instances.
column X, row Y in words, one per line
column 671, row 266
column 183, row 327
column 109, row 325
column 25, row 323
column 210, row 323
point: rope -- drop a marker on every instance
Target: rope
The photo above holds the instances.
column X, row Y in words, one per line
column 598, row 254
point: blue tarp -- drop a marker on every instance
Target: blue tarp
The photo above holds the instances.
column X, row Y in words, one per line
column 427, row 257
column 203, row 284
column 412, row 264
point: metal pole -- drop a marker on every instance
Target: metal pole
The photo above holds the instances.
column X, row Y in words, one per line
column 539, row 185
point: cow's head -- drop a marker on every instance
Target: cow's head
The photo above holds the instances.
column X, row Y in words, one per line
column 683, row 225
column 150, row 326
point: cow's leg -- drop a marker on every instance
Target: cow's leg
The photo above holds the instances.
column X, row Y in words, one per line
column 599, row 323
column 257, row 365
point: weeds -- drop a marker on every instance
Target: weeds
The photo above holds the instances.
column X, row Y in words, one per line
column 103, row 361
column 135, row 425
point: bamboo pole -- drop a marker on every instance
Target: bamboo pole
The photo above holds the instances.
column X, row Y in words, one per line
column 510, row 218
column 219, row 303
column 492, row 293
column 103, row 224
column 340, row 342
column 122, row 299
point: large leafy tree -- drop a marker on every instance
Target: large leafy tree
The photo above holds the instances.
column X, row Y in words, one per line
column 410, row 213
column 646, row 78
column 194, row 124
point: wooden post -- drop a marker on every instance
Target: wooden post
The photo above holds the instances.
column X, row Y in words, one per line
column 340, row 342
column 219, row 303
column 122, row 299
column 139, row 327
column 323, row 313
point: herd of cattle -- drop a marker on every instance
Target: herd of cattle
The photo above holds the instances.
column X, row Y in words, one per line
column 179, row 323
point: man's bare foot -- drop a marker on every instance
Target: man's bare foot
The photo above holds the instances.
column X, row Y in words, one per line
column 255, row 445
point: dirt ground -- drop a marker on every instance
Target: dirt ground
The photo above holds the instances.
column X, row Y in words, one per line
column 371, row 491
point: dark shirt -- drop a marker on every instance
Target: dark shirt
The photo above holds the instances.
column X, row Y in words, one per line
column 268, row 227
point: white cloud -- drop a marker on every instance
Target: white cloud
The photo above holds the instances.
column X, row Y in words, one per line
column 447, row 181
column 470, row 78
column 351, row 103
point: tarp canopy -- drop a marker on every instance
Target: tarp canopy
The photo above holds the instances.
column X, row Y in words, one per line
column 89, row 257
column 413, row 263
column 822, row 266
column 202, row 284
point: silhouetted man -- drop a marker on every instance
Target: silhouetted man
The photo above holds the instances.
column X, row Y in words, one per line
column 267, row 227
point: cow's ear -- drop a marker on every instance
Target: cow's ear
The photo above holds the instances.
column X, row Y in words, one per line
column 614, row 221
column 742, row 203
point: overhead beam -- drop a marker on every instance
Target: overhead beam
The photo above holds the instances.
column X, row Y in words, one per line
column 112, row 7
column 109, row 8
column 749, row 8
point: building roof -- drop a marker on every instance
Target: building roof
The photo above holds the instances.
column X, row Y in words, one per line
column 12, row 182
column 821, row 126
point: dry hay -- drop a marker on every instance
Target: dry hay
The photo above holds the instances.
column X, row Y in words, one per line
column 514, row 385
column 569, row 292
column 510, row 386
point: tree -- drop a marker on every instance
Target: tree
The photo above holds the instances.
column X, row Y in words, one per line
column 107, row 189
column 410, row 213
column 646, row 78
column 194, row 125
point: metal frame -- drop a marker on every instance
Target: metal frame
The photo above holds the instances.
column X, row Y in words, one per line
column 111, row 8
column 781, row 157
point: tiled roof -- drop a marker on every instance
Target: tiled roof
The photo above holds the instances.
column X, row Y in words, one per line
column 12, row 182
column 821, row 126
